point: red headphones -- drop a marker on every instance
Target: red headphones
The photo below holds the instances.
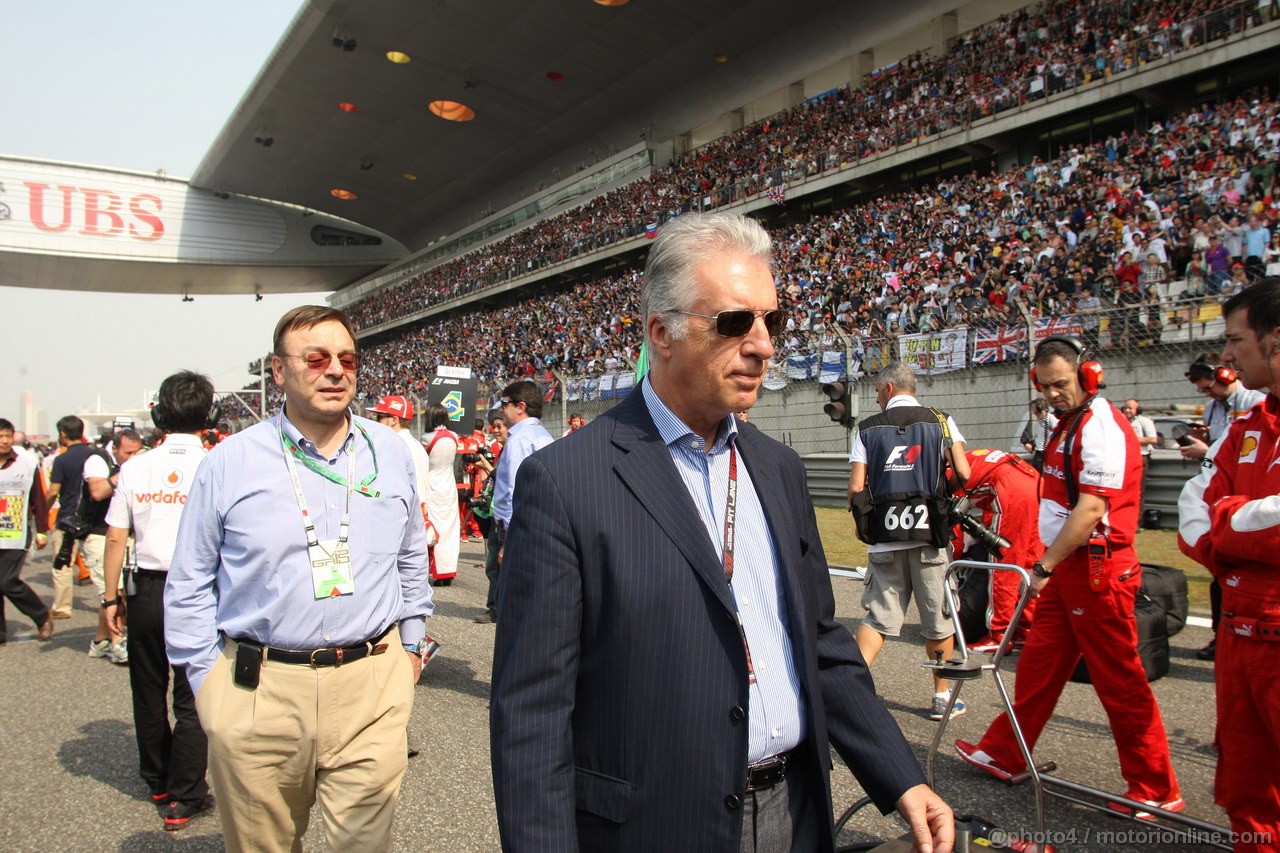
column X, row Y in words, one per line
column 1219, row 373
column 1089, row 372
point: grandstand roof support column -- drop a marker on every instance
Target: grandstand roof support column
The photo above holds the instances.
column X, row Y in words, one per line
column 942, row 30
column 723, row 125
column 794, row 94
column 733, row 121
column 860, row 67
column 682, row 144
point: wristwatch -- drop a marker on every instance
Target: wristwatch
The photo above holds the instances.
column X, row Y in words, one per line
column 115, row 602
column 1038, row 569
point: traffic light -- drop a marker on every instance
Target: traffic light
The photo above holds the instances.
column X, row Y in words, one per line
column 839, row 405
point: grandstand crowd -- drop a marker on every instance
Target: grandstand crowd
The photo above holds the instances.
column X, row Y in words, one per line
column 1141, row 226
column 1021, row 57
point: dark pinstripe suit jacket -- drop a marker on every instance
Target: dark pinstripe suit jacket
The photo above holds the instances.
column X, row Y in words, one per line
column 619, row 678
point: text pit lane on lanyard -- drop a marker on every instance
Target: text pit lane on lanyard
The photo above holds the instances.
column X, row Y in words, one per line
column 730, row 520
column 331, row 574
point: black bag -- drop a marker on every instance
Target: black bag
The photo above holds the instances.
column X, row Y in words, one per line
column 73, row 525
column 1153, row 640
column 1168, row 587
column 974, row 594
column 860, row 507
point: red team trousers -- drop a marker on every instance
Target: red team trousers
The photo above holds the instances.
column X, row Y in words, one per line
column 1247, row 783
column 1073, row 619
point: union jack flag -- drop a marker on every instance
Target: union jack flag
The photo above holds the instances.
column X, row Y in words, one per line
column 777, row 194
column 1003, row 344
column 1046, row 327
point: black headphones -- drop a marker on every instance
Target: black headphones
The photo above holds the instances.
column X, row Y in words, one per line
column 163, row 418
column 1088, row 371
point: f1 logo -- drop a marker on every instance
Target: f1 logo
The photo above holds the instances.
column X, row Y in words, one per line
column 906, row 453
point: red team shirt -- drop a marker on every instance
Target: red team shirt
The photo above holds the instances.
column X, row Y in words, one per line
column 1106, row 462
column 1235, row 535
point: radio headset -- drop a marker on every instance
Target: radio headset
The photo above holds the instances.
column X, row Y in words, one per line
column 1088, row 371
column 163, row 418
column 1089, row 374
column 1219, row 373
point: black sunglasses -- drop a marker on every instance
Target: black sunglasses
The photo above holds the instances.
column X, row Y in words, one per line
column 738, row 322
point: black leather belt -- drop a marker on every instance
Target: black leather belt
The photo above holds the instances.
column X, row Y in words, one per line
column 769, row 772
column 329, row 656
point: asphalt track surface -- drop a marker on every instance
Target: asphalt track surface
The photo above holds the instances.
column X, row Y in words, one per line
column 68, row 766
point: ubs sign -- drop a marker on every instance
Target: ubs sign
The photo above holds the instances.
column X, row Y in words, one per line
column 100, row 212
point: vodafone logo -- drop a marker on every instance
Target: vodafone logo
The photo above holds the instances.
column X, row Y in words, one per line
column 173, row 479
column 161, row 498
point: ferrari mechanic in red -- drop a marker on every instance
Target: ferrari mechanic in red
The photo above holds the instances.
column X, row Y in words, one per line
column 1230, row 521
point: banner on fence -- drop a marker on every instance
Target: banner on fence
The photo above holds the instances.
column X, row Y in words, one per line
column 936, row 352
column 832, row 366
column 1003, row 344
column 802, row 366
column 775, row 378
column 1046, row 327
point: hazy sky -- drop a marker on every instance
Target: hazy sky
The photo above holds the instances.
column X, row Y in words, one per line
column 135, row 84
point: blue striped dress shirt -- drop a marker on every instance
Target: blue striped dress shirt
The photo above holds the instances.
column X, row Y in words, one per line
column 241, row 568
column 776, row 702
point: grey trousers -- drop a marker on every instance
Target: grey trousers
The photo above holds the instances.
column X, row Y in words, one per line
column 786, row 818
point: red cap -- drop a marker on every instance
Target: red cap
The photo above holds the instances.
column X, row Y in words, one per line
column 394, row 405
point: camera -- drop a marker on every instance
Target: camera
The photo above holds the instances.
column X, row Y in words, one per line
column 981, row 534
column 481, row 452
column 65, row 554
column 482, row 504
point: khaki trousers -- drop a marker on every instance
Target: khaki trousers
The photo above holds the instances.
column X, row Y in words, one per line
column 336, row 735
column 63, row 579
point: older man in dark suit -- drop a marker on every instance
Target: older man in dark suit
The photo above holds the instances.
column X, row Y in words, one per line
column 668, row 673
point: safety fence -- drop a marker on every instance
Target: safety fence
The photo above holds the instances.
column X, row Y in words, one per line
column 978, row 374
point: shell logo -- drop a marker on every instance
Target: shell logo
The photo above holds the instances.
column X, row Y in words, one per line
column 173, row 479
column 1249, row 446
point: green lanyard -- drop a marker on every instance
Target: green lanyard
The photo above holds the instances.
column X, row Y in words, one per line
column 328, row 473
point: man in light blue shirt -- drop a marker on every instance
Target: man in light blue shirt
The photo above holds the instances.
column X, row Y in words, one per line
column 522, row 410
column 300, row 571
column 1256, row 238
